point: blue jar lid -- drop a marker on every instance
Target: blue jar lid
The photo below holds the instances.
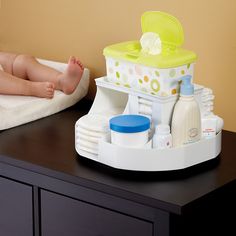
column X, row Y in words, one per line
column 129, row 123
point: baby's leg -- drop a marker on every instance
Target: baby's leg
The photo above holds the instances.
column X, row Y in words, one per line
column 12, row 85
column 6, row 61
column 27, row 67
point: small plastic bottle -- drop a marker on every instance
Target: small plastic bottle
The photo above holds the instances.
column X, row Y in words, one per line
column 162, row 138
column 211, row 125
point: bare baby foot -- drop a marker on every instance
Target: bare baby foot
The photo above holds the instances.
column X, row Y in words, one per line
column 71, row 78
column 42, row 89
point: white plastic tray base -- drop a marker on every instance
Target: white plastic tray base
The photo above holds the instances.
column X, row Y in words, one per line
column 148, row 159
column 115, row 99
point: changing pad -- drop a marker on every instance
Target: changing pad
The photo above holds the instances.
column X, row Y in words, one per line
column 18, row 110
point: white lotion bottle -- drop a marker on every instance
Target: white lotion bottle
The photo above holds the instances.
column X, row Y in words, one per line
column 186, row 120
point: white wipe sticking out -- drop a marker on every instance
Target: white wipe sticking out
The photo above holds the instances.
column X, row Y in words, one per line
column 151, row 43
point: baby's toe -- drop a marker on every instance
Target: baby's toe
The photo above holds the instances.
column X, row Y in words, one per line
column 50, row 85
column 51, row 93
column 80, row 64
column 72, row 60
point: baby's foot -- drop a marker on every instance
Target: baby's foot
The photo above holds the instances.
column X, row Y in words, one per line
column 42, row 89
column 71, row 78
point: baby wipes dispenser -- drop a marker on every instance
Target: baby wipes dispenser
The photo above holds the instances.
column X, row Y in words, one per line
column 151, row 70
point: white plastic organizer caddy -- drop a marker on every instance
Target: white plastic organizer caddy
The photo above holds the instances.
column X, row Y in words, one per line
column 143, row 80
column 112, row 100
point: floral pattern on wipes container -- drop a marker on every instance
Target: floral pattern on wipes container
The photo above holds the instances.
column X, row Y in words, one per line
column 149, row 80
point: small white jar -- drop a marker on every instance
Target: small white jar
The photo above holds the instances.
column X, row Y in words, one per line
column 129, row 130
column 162, row 138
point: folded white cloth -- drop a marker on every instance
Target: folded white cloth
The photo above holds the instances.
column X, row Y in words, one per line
column 18, row 110
column 95, row 123
column 87, row 144
column 90, row 133
column 89, row 138
column 90, row 129
column 86, row 149
column 208, row 108
column 208, row 98
column 207, row 91
column 145, row 102
column 208, row 103
column 144, row 109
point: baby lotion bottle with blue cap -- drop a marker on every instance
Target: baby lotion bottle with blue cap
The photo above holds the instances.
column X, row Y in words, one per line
column 129, row 130
column 186, row 120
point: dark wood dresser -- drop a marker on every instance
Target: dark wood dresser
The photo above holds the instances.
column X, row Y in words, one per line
column 47, row 189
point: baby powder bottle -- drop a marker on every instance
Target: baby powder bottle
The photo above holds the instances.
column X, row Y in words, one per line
column 186, row 120
column 162, row 138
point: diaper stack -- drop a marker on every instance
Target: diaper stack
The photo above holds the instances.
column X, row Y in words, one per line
column 90, row 129
column 207, row 101
column 145, row 107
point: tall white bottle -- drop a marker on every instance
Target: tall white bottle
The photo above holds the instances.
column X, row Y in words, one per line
column 186, row 120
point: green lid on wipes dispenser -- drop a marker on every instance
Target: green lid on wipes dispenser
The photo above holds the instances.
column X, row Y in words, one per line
column 166, row 26
column 171, row 35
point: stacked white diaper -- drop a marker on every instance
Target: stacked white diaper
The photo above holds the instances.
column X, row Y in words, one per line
column 89, row 130
column 207, row 101
column 145, row 107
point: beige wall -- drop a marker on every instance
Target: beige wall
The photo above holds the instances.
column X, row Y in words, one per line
column 56, row 29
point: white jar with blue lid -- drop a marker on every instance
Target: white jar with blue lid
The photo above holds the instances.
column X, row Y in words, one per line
column 129, row 130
